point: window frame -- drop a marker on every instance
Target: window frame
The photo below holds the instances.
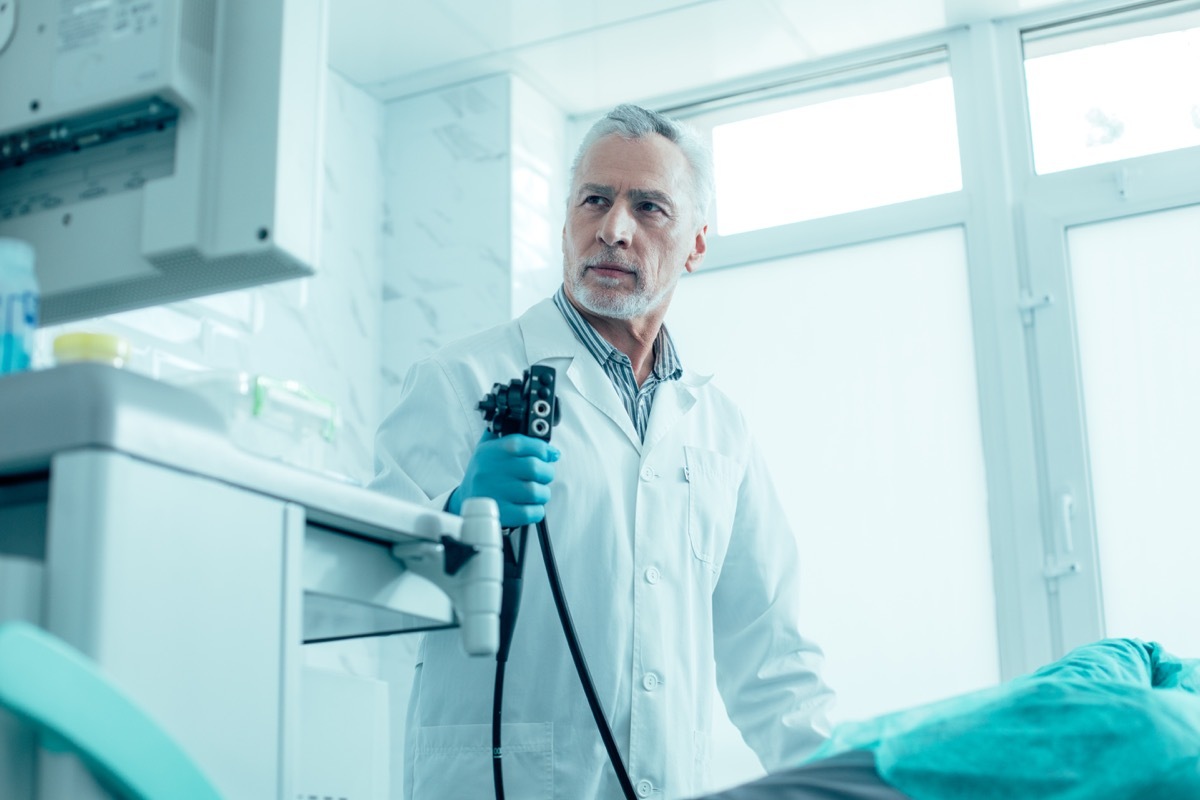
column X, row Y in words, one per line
column 1046, row 207
column 1098, row 27
column 1033, row 427
column 981, row 208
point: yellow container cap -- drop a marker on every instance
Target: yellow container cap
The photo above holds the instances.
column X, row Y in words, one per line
column 104, row 348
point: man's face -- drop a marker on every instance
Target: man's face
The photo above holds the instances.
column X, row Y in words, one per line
column 631, row 227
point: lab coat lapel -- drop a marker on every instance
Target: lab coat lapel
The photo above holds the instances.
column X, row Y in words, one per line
column 547, row 336
column 672, row 400
column 591, row 381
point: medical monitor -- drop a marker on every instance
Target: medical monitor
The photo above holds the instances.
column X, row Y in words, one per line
column 157, row 150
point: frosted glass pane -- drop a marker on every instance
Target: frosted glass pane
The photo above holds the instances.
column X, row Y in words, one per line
column 830, row 158
column 857, row 371
column 1136, row 284
column 1115, row 100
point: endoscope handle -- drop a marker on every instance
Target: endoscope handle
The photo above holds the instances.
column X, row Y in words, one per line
column 478, row 605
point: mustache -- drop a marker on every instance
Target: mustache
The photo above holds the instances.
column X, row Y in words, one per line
column 610, row 257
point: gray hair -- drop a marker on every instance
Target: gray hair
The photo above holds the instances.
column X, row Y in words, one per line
column 634, row 122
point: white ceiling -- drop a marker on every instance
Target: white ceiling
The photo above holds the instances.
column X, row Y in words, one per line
column 589, row 55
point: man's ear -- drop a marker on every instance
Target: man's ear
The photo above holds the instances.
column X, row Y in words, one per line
column 699, row 248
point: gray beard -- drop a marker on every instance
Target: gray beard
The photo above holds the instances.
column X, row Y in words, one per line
column 615, row 305
column 612, row 305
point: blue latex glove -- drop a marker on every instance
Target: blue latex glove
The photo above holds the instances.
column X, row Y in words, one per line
column 513, row 470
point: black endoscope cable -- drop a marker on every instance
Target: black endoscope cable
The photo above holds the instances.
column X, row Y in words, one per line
column 514, row 571
column 528, row 406
column 581, row 667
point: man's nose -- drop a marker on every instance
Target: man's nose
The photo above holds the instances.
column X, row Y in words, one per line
column 617, row 229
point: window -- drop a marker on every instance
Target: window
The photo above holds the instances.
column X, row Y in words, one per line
column 1136, row 285
column 835, row 149
column 863, row 399
column 1100, row 92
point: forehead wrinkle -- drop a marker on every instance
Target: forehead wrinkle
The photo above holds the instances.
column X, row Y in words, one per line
column 635, row 195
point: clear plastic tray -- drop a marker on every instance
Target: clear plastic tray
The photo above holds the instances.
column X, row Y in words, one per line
column 272, row 417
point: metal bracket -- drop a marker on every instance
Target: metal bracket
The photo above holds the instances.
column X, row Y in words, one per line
column 1125, row 178
column 1055, row 570
column 1029, row 303
column 469, row 570
column 451, row 553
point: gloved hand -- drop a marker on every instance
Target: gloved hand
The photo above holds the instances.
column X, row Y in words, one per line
column 513, row 470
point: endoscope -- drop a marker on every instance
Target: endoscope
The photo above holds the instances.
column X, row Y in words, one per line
column 529, row 406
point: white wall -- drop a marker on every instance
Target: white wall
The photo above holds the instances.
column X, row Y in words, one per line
column 474, row 208
column 446, row 232
column 474, row 188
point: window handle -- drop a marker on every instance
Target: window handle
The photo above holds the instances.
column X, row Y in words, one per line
column 1061, row 564
column 1066, row 513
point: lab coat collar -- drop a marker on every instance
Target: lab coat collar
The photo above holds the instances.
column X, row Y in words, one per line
column 547, row 334
column 547, row 337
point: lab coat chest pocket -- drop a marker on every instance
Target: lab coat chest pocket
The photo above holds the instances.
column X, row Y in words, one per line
column 712, row 480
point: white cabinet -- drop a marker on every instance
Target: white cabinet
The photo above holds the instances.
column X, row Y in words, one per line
column 185, row 569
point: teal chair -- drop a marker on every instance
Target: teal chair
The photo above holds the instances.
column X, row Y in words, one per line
column 59, row 692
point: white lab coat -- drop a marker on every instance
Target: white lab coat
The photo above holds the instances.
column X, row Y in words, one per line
column 677, row 563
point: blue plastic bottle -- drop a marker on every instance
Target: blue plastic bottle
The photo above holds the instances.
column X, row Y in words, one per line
column 19, row 299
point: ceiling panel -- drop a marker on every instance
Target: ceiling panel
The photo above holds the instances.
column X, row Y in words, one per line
column 507, row 24
column 374, row 41
column 960, row 12
column 1031, row 4
column 832, row 28
column 586, row 56
column 669, row 53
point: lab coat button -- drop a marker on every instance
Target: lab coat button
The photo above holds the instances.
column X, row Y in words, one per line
column 648, row 474
column 650, row 681
column 644, row 788
column 652, row 575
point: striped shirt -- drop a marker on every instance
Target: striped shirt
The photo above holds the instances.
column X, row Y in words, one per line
column 619, row 368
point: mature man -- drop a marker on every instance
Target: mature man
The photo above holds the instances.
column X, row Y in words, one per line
column 675, row 555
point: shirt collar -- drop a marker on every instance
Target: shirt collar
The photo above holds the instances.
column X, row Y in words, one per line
column 666, row 360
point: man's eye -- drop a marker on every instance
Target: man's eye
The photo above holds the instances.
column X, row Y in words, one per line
column 650, row 207
column 595, row 200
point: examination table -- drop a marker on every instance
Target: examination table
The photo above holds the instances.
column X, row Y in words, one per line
column 1114, row 720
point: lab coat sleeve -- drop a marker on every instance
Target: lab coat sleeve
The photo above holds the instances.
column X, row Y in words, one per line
column 423, row 446
column 768, row 674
